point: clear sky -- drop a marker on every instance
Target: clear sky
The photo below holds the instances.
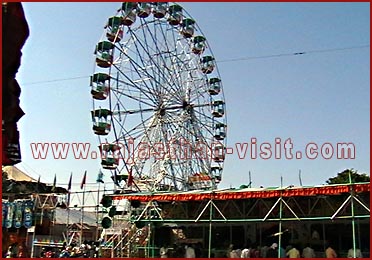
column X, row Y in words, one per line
column 320, row 96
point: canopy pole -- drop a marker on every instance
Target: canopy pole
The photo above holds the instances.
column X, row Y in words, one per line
column 68, row 220
column 34, row 219
column 97, row 210
column 210, row 229
column 352, row 215
column 280, row 225
column 82, row 219
column 33, row 242
column 280, row 217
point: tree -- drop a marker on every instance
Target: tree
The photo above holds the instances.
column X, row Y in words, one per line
column 343, row 177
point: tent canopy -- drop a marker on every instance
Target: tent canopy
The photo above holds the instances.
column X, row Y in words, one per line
column 13, row 173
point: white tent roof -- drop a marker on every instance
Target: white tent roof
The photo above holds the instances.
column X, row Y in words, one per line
column 16, row 174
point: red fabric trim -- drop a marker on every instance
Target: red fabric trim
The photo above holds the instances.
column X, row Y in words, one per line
column 235, row 195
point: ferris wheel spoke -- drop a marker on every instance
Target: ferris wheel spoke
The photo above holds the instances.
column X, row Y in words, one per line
column 147, row 64
column 176, row 84
column 147, row 47
column 161, row 66
column 167, row 51
column 136, row 69
column 136, row 88
column 131, row 95
column 152, row 50
column 136, row 131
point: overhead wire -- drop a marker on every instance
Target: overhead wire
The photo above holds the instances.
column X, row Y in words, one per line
column 294, row 53
column 235, row 60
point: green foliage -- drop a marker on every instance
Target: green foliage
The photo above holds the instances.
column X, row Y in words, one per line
column 344, row 177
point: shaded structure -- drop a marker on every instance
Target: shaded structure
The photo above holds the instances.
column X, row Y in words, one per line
column 318, row 215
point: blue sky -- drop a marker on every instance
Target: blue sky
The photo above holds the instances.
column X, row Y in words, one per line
column 320, row 96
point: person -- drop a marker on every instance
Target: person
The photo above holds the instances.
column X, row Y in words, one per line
column 164, row 252
column 198, row 250
column 235, row 252
column 254, row 251
column 190, row 252
column 272, row 252
column 315, row 235
column 22, row 251
column 263, row 251
column 293, row 253
column 42, row 252
column 9, row 253
column 229, row 249
column 330, row 252
column 246, row 252
column 308, row 252
column 65, row 253
column 358, row 253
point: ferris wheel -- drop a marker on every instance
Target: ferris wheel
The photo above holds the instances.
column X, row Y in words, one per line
column 158, row 101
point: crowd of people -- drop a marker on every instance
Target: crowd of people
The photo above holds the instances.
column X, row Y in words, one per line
column 92, row 250
column 253, row 251
column 85, row 250
column 182, row 251
column 290, row 251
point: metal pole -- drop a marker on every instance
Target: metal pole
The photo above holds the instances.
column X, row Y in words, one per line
column 97, row 208
column 352, row 215
column 34, row 219
column 68, row 218
column 33, row 242
column 324, row 236
column 153, row 242
column 280, row 224
column 280, row 216
column 82, row 218
column 210, row 228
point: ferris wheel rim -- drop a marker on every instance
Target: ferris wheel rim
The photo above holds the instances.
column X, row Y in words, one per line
column 187, row 107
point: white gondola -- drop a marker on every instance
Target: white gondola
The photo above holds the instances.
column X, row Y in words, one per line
column 109, row 155
column 219, row 153
column 214, row 86
column 114, row 31
column 129, row 14
column 101, row 121
column 175, row 14
column 199, row 44
column 188, row 27
column 218, row 108
column 159, row 9
column 103, row 53
column 100, row 86
column 216, row 172
column 143, row 9
column 207, row 64
column 220, row 131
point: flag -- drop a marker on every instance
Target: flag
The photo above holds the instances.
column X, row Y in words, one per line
column 84, row 180
column 130, row 178
column 69, row 183
column 100, row 177
column 38, row 184
column 54, row 183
